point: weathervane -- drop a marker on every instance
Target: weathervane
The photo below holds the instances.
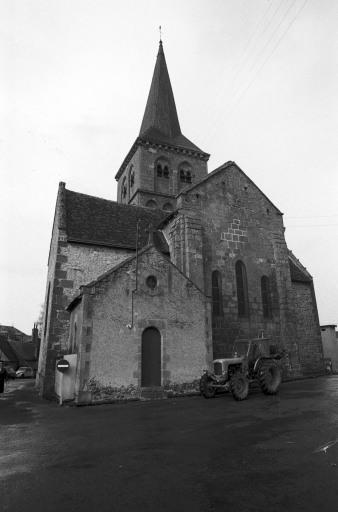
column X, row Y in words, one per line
column 160, row 29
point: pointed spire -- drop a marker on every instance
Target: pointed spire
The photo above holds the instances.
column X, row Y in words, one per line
column 160, row 113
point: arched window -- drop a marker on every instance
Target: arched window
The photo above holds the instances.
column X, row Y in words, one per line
column 216, row 285
column 168, row 207
column 151, row 204
column 242, row 289
column 162, row 168
column 162, row 175
column 159, row 171
column 185, row 173
column 266, row 297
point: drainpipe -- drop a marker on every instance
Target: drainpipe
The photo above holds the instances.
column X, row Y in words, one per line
column 131, row 325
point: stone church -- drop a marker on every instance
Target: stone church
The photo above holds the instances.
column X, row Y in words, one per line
column 145, row 291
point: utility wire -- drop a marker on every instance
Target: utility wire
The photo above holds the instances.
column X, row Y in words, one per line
column 268, row 56
column 241, row 67
column 241, row 94
column 282, row 19
column 242, row 59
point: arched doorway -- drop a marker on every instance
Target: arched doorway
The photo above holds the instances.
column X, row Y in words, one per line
column 151, row 358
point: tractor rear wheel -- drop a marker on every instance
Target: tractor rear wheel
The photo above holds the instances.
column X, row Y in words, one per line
column 206, row 387
column 269, row 377
column 239, row 386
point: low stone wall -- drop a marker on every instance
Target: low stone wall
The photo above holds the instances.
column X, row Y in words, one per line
column 95, row 393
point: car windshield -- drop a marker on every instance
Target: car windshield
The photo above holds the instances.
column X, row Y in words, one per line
column 22, row 368
column 240, row 348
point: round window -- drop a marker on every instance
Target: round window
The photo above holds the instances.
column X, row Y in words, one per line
column 151, row 282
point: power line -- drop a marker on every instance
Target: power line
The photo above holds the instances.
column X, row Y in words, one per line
column 220, row 91
column 282, row 19
column 241, row 93
column 242, row 59
column 269, row 55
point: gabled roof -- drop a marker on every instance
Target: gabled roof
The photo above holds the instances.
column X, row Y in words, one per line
column 120, row 265
column 7, row 350
column 223, row 167
column 298, row 271
column 96, row 221
column 14, row 333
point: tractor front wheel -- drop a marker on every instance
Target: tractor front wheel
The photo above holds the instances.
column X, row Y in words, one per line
column 269, row 377
column 239, row 386
column 206, row 387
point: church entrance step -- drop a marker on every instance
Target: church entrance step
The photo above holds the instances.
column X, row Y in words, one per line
column 153, row 393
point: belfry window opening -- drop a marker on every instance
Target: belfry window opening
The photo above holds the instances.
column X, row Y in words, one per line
column 162, row 171
column 185, row 176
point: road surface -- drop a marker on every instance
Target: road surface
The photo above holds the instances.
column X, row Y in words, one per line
column 187, row 454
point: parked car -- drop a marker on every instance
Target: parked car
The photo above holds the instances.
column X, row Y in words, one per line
column 25, row 372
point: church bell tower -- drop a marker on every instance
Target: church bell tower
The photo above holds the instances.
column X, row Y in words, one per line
column 162, row 161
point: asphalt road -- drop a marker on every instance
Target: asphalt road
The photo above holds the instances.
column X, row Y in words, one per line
column 185, row 454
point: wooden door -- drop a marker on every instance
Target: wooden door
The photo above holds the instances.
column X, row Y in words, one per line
column 151, row 358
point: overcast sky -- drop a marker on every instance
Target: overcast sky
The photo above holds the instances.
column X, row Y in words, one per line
column 255, row 81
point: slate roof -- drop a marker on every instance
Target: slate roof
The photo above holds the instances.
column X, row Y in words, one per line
column 96, row 221
column 26, row 352
column 159, row 137
column 14, row 333
column 160, row 121
column 297, row 271
column 7, row 350
column 160, row 124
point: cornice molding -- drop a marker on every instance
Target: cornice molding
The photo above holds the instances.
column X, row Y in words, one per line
column 140, row 142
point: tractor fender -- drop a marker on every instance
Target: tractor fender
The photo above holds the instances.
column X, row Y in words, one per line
column 259, row 361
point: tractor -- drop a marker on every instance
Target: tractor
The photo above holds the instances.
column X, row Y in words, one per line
column 254, row 360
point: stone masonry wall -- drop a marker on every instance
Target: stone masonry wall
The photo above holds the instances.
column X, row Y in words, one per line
column 70, row 266
column 308, row 331
column 175, row 307
column 133, row 167
column 144, row 166
column 239, row 223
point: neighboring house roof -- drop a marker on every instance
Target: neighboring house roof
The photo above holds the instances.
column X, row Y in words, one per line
column 25, row 351
column 14, row 333
column 17, row 351
column 7, row 350
column 298, row 271
column 97, row 221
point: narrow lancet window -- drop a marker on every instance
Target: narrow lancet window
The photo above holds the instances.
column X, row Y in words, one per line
column 242, row 289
